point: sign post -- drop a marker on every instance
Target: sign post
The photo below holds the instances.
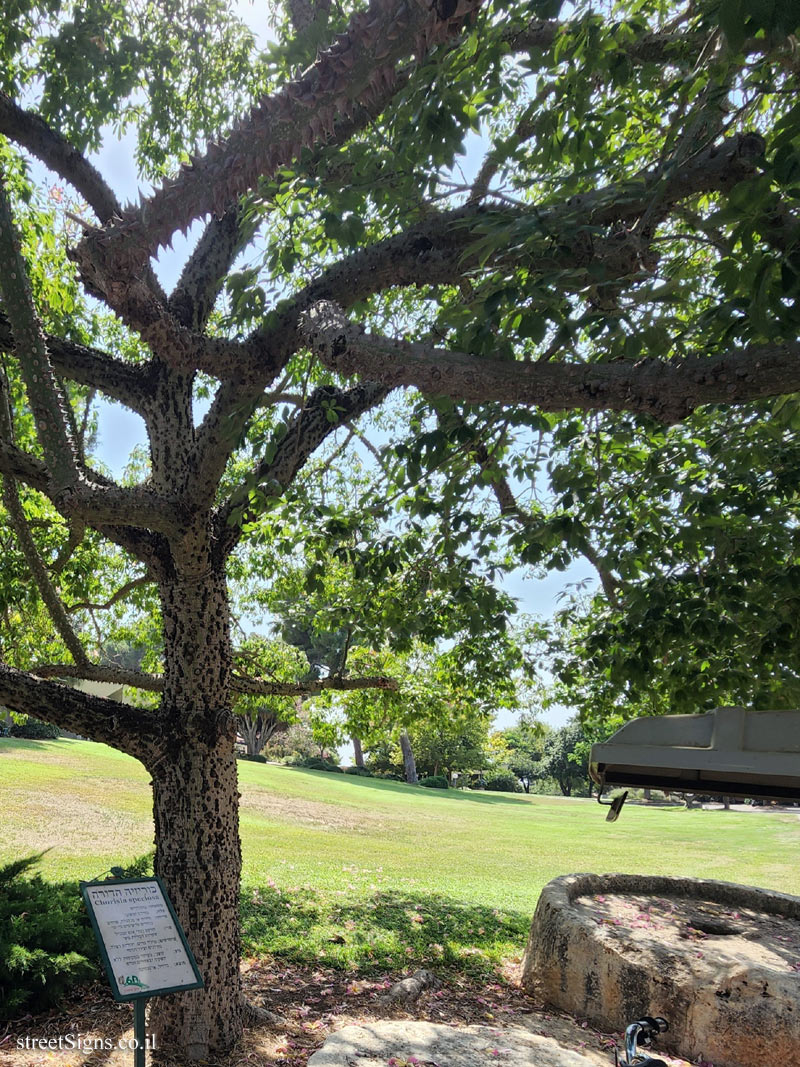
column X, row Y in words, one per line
column 144, row 950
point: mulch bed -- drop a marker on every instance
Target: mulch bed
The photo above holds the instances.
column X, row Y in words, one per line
column 309, row 1002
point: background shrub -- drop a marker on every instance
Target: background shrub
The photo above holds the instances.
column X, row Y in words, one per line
column 46, row 944
column 314, row 763
column 141, row 867
column 502, row 782
column 34, row 730
column 362, row 772
column 257, row 758
column 434, row 781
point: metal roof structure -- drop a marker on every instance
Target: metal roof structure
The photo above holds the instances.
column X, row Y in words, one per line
column 732, row 752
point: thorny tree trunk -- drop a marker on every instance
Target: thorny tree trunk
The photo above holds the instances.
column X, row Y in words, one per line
column 358, row 752
column 409, row 763
column 195, row 805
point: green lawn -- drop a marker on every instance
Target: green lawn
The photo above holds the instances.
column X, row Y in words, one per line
column 401, row 873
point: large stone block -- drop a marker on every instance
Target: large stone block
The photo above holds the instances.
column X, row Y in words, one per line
column 378, row 1043
column 720, row 961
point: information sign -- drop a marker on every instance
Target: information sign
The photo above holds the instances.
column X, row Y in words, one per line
column 144, row 949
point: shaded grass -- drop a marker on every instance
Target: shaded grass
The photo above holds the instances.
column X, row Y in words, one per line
column 381, row 932
column 361, row 873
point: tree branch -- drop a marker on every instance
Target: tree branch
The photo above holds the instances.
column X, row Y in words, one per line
column 239, row 683
column 193, row 297
column 263, row 687
column 509, row 506
column 357, row 67
column 355, row 77
column 439, row 251
column 608, row 580
column 89, row 366
column 121, row 593
column 129, row 729
column 129, row 506
column 47, row 591
column 77, row 532
column 444, row 249
column 327, row 409
column 32, row 132
column 23, row 466
column 44, row 395
column 218, row 435
column 94, row 672
column 667, row 390
column 100, row 503
column 675, row 46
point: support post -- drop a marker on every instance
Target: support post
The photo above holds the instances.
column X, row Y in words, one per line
column 139, row 1033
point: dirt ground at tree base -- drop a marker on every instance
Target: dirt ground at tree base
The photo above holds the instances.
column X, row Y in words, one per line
column 309, row 1003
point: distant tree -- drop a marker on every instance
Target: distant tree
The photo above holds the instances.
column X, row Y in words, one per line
column 259, row 726
column 295, row 741
column 445, row 743
column 262, row 717
column 525, row 768
column 565, row 758
column 524, row 744
column 441, row 711
column 326, row 734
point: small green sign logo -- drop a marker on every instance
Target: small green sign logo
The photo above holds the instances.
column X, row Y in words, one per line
column 131, row 979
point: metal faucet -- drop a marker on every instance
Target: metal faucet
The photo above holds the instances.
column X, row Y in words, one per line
column 644, row 1030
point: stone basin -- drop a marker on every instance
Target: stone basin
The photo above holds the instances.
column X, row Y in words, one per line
column 719, row 961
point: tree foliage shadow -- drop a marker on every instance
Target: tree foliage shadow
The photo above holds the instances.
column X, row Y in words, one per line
column 387, row 786
column 384, row 931
column 30, row 744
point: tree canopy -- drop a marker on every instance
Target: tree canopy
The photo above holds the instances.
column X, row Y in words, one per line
column 536, row 266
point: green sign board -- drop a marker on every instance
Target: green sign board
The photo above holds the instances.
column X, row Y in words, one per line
column 144, row 950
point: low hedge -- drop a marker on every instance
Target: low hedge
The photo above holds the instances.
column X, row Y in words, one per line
column 34, row 730
column 502, row 782
column 315, row 763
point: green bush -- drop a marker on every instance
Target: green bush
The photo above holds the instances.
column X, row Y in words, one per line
column 46, row 944
column 362, row 772
column 141, row 867
column 34, row 730
column 314, row 763
column 434, row 781
column 502, row 782
column 257, row 758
